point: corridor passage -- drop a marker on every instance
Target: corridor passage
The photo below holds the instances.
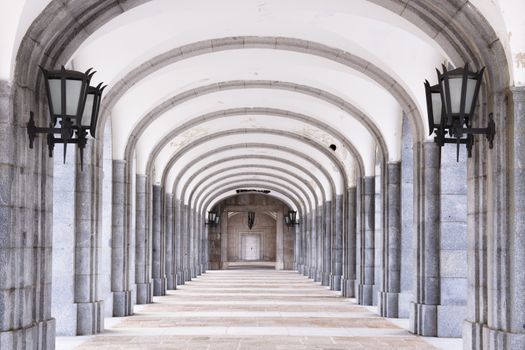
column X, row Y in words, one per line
column 253, row 309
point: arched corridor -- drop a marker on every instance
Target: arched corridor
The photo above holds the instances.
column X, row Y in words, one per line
column 150, row 149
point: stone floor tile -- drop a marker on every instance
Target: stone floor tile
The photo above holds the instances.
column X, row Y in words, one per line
column 245, row 310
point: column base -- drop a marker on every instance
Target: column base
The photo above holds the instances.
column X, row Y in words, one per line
column 312, row 273
column 193, row 271
column 423, row 319
column 325, row 278
column 90, row 318
column 348, row 288
column 180, row 278
column 159, row 287
column 365, row 294
column 335, row 282
column 472, row 334
column 495, row 339
column 187, row 275
column 318, row 275
column 144, row 293
column 389, row 304
column 171, row 282
column 122, row 304
column 305, row 270
column 40, row 335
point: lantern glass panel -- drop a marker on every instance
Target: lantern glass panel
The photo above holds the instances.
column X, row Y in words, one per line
column 88, row 110
column 436, row 108
column 454, row 92
column 55, row 89
column 456, row 85
column 471, row 89
column 287, row 220
column 73, row 91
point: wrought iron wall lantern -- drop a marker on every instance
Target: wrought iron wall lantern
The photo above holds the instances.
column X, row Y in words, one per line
column 73, row 106
column 213, row 218
column 451, row 105
column 291, row 218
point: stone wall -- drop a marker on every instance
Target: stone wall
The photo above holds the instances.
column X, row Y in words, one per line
column 407, row 221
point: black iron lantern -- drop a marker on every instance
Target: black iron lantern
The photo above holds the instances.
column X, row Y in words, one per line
column 92, row 108
column 73, row 108
column 434, row 110
column 291, row 218
column 213, row 218
column 451, row 105
column 251, row 219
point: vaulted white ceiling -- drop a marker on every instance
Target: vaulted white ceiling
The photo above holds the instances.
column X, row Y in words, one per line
column 204, row 95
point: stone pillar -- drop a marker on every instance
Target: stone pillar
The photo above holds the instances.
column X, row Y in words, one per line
column 302, row 247
column 142, row 244
column 379, row 231
column 389, row 295
column 90, row 309
column 197, row 240
column 279, row 244
column 366, row 283
column 186, row 242
column 192, row 242
column 158, row 263
column 205, row 246
column 26, row 199
column 327, row 244
column 337, row 246
column 120, row 269
column 349, row 244
column 308, row 246
column 408, row 222
column 423, row 313
column 313, row 245
column 319, row 233
column 516, row 333
column 297, row 250
column 505, row 256
column 179, row 251
column 224, row 240
column 171, row 275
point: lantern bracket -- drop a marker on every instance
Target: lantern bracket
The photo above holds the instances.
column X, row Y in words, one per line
column 66, row 131
column 457, row 132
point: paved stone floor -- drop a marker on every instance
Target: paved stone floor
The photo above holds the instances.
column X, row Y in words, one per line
column 251, row 309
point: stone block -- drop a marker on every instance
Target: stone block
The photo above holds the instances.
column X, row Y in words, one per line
column 453, row 263
column 453, row 235
column 405, row 299
column 431, row 287
column 428, row 320
column 7, row 263
column 454, row 291
column 450, row 320
column 66, row 321
column 453, row 208
column 122, row 304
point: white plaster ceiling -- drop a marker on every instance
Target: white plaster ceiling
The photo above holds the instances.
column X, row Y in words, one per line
column 244, row 140
column 204, row 176
column 252, row 174
column 156, row 29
